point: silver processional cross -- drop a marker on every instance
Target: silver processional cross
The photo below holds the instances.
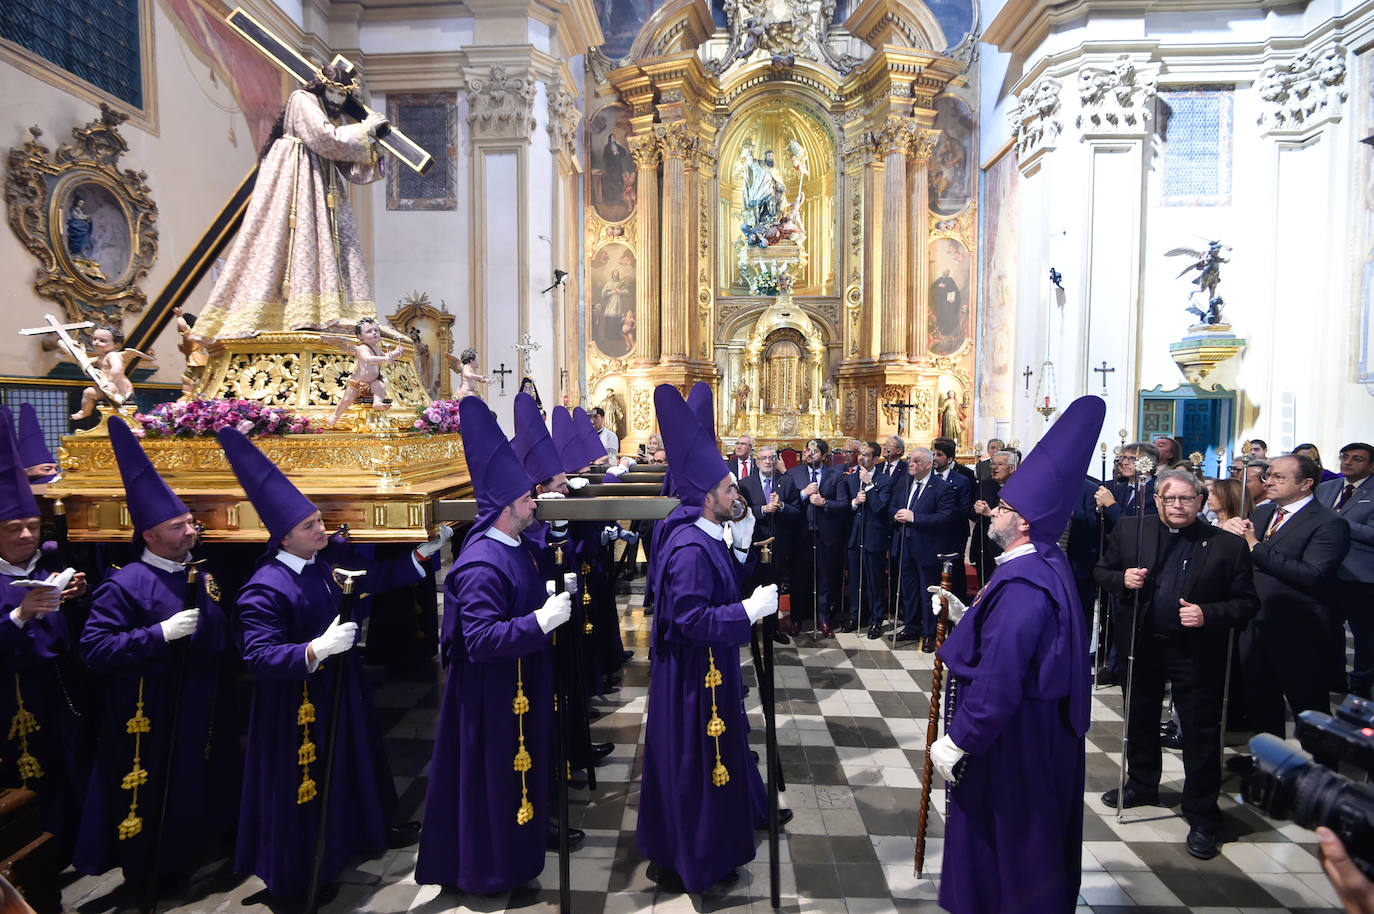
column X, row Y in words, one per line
column 525, row 347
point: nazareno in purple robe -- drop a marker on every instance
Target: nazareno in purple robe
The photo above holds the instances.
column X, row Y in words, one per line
column 1018, row 705
column 122, row 645
column 687, row 823
column 471, row 838
column 280, row 612
column 39, row 660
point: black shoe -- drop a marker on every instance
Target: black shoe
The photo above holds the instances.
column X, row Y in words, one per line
column 666, row 879
column 403, row 835
column 755, row 754
column 625, row 656
column 850, row 627
column 1133, row 798
column 729, row 878
column 1106, row 677
column 1200, row 844
column 575, row 837
column 784, row 816
column 927, row 645
column 1240, row 764
column 779, row 637
column 1170, row 736
column 907, row 634
column 601, row 750
column 875, row 632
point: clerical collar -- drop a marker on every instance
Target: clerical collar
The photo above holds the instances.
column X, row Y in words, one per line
column 505, row 539
column 1023, row 549
column 18, row 571
column 714, row 531
column 294, row 562
column 161, row 564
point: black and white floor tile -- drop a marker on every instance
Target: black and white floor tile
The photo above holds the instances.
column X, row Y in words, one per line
column 851, row 719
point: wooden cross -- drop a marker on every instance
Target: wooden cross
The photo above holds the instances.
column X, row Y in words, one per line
column 1104, row 371
column 1027, row 375
column 501, row 376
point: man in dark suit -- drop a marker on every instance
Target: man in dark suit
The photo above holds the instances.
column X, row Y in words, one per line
column 1126, row 495
column 964, row 483
column 772, row 497
column 741, row 463
column 869, row 494
column 983, row 470
column 1297, row 544
column 892, row 467
column 923, row 505
column 1352, row 498
column 1194, row 584
column 818, row 560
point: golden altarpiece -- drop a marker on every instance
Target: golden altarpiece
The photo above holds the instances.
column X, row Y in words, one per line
column 865, row 132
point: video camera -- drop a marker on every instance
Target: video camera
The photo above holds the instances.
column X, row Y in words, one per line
column 1286, row 783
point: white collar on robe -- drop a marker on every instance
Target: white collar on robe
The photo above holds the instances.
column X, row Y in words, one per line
column 294, row 562
column 16, row 571
column 500, row 537
column 714, row 531
column 1023, row 549
column 161, row 564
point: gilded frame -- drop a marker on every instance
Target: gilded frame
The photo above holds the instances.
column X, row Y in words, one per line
column 431, row 328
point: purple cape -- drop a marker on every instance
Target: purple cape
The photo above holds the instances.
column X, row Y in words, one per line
column 280, row 612
column 1017, row 702
column 490, row 636
column 122, row 644
column 686, row 823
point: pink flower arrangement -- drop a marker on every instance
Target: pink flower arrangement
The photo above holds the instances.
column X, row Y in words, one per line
column 193, row 418
column 437, row 418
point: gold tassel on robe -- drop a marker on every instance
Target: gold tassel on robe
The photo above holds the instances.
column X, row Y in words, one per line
column 305, row 716
column 525, row 814
column 21, row 725
column 715, row 726
column 137, row 725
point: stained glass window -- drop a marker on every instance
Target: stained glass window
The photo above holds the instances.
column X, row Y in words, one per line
column 94, row 40
column 1195, row 131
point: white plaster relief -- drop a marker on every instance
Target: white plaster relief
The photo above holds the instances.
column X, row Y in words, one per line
column 1304, row 93
column 1115, row 100
column 1035, row 117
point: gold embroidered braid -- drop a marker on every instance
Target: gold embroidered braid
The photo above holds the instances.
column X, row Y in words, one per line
column 715, row 726
column 138, row 725
column 291, row 229
column 21, row 725
column 305, row 716
column 586, row 601
column 525, row 814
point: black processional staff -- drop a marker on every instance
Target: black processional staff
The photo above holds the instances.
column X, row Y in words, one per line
column 933, row 721
column 564, row 689
column 181, row 653
column 1144, row 466
column 761, row 646
column 897, row 604
column 336, row 685
column 1099, row 635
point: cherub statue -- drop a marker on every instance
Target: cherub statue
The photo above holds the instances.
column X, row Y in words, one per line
column 197, row 356
column 367, row 377
column 1208, row 264
column 111, row 361
column 467, row 368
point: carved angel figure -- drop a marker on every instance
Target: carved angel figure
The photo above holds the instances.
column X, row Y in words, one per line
column 367, row 377
column 1208, row 266
column 111, row 362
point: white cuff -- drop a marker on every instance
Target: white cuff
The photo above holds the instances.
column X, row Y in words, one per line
column 311, row 665
column 18, row 620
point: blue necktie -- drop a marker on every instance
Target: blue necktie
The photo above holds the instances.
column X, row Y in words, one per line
column 767, row 488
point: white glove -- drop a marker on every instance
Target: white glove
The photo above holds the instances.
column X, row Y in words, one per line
column 434, row 545
column 944, row 755
column 742, row 530
column 762, row 602
column 577, row 483
column 556, row 610
column 628, row 462
column 549, row 496
column 617, row 471
column 956, row 605
column 570, row 582
column 337, row 638
column 628, row 537
column 181, row 625
column 608, row 534
column 559, row 528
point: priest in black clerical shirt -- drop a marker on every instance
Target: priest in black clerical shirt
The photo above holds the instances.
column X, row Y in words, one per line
column 1195, row 583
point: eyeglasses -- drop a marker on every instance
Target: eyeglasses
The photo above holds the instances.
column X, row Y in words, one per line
column 1277, row 477
column 1177, row 499
column 1003, row 507
column 1126, row 459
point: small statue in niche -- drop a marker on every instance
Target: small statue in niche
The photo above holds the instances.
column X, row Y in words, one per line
column 951, row 416
column 615, row 413
column 1208, row 266
column 111, row 362
column 80, row 231
column 467, row 369
column 367, row 377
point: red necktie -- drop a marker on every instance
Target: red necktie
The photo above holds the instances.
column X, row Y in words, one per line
column 1348, row 491
column 1279, row 516
column 744, row 469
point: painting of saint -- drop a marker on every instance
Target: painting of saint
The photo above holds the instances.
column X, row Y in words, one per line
column 97, row 234
column 613, row 176
column 612, row 300
column 948, row 324
column 951, row 164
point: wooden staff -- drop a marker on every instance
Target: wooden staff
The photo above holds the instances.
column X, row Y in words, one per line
column 933, row 722
column 181, row 652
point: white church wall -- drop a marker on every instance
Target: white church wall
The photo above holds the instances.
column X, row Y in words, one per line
column 541, row 308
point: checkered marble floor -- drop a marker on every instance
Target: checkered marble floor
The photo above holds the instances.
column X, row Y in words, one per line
column 851, row 719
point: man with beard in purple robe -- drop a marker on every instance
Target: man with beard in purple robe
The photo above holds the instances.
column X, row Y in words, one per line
column 46, row 750
column 487, row 806
column 289, row 616
column 140, row 620
column 702, row 795
column 1017, row 704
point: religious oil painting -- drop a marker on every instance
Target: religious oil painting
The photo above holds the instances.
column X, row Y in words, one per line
column 952, row 163
column 998, row 317
column 96, row 233
column 951, row 269
column 620, row 23
column 611, row 300
column 612, row 185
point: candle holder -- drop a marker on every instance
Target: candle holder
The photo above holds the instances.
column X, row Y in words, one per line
column 1044, row 392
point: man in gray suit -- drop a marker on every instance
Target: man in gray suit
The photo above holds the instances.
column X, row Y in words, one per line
column 1351, row 498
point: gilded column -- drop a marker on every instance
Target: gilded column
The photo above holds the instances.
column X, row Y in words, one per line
column 873, row 253
column 922, row 146
column 675, row 279
column 644, row 149
column 895, row 140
